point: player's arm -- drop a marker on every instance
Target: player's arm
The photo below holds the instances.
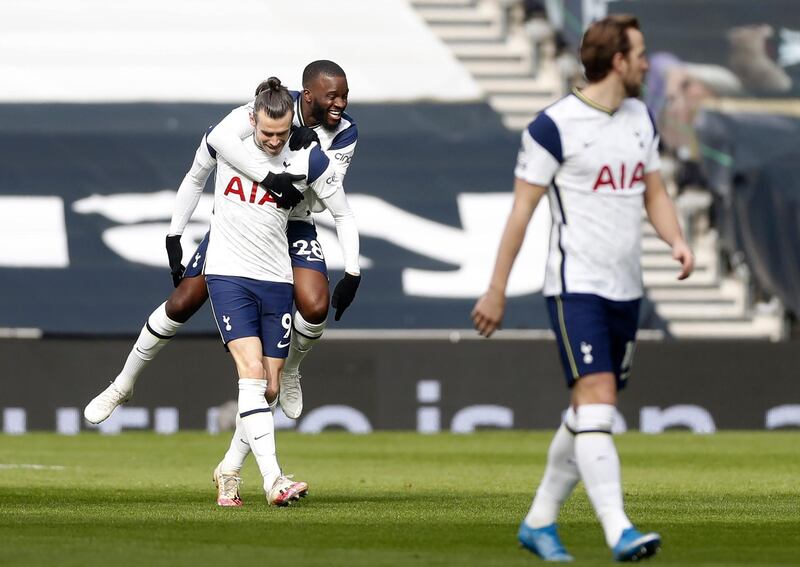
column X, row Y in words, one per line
column 328, row 189
column 488, row 312
column 341, row 157
column 340, row 153
column 662, row 215
column 228, row 139
column 186, row 200
column 539, row 158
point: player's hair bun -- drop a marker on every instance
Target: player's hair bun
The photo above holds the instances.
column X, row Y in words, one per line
column 272, row 84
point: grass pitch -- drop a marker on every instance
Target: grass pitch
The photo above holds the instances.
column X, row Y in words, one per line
column 386, row 499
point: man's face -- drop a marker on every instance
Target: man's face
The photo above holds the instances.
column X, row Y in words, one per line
column 636, row 64
column 327, row 99
column 271, row 133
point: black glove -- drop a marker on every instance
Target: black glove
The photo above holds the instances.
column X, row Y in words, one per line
column 302, row 137
column 344, row 293
column 280, row 187
column 175, row 255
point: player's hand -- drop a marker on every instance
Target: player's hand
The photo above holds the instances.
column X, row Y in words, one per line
column 488, row 313
column 344, row 293
column 281, row 187
column 302, row 137
column 683, row 254
column 175, row 255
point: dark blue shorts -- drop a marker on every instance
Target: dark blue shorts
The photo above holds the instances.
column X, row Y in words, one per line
column 304, row 250
column 594, row 334
column 198, row 261
column 244, row 307
column 304, row 247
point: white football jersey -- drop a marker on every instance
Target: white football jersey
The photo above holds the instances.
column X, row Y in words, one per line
column 338, row 144
column 248, row 229
column 593, row 163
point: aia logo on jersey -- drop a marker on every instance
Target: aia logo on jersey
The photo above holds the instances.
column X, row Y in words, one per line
column 614, row 180
column 235, row 188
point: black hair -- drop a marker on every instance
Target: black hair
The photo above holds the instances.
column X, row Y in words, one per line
column 321, row 67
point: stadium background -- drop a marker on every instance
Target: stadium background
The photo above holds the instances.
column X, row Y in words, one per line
column 105, row 104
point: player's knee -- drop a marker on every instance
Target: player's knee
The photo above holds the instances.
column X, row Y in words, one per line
column 313, row 307
column 251, row 368
column 180, row 309
column 186, row 300
column 316, row 314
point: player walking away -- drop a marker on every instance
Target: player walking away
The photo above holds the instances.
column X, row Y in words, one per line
column 320, row 106
column 595, row 154
column 249, row 277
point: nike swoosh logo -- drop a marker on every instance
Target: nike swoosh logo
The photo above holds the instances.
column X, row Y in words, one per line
column 281, row 345
column 260, row 436
column 277, row 194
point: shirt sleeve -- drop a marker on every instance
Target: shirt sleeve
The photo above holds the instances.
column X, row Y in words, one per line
column 342, row 158
column 327, row 188
column 323, row 176
column 191, row 188
column 653, row 157
column 346, row 229
column 540, row 154
column 227, row 138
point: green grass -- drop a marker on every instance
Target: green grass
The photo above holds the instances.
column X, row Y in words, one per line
column 387, row 499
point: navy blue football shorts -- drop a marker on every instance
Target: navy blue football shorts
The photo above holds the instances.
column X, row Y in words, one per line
column 594, row 334
column 304, row 250
column 245, row 307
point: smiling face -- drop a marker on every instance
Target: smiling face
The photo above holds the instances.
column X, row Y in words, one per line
column 326, row 99
column 271, row 133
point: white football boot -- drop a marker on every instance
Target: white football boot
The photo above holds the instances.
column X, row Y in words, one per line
column 291, row 395
column 284, row 490
column 227, row 484
column 100, row 408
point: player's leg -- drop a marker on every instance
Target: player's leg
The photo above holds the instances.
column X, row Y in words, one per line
column 256, row 418
column 239, row 447
column 623, row 322
column 594, row 397
column 226, row 474
column 276, row 324
column 282, row 489
column 538, row 531
column 560, row 476
column 311, row 297
column 236, row 312
column 162, row 324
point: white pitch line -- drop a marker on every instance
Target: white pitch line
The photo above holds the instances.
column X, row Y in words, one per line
column 31, row 467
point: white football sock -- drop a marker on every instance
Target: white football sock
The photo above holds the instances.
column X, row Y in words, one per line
column 233, row 461
column 599, row 467
column 259, row 427
column 560, row 476
column 157, row 332
column 304, row 335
